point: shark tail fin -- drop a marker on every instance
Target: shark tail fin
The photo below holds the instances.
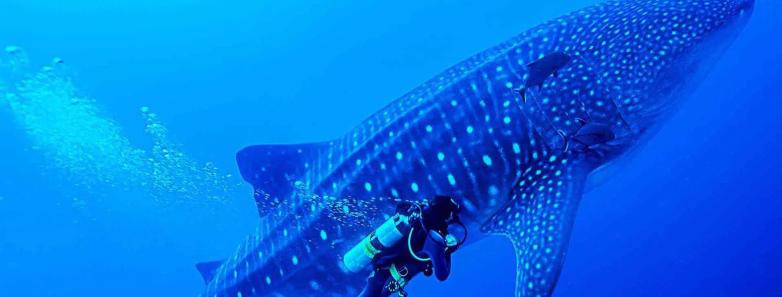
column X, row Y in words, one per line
column 538, row 219
column 207, row 269
column 275, row 171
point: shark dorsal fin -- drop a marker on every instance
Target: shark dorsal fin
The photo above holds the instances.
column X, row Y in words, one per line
column 274, row 170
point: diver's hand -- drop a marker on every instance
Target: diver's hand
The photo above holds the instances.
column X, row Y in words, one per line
column 434, row 247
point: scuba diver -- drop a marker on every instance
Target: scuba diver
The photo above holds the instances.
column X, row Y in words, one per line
column 419, row 237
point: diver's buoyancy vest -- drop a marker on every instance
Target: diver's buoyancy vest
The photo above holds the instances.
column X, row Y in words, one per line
column 387, row 235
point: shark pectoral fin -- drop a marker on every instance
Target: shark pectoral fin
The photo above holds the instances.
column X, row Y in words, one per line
column 538, row 219
column 207, row 269
column 275, row 170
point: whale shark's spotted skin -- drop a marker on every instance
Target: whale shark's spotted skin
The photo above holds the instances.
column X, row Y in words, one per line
column 466, row 133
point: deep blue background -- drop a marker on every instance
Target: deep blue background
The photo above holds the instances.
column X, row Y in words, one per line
column 695, row 213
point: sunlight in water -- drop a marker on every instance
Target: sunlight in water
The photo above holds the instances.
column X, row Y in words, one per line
column 75, row 135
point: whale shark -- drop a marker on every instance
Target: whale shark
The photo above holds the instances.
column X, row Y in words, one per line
column 468, row 134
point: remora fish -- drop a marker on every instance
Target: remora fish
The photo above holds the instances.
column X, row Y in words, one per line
column 466, row 133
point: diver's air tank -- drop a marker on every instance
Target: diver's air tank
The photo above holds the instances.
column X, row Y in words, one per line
column 385, row 236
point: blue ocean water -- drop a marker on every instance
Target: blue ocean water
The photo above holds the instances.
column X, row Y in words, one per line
column 693, row 213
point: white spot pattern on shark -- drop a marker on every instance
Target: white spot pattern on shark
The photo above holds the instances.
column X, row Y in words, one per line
column 466, row 133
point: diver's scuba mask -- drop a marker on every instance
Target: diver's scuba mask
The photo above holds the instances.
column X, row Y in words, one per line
column 455, row 231
column 457, row 234
column 442, row 215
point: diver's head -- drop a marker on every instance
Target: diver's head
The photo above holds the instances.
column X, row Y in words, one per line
column 442, row 211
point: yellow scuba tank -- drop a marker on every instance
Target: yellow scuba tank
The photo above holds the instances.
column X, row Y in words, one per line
column 385, row 236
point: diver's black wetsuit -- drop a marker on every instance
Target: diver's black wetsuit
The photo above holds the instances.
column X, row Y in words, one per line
column 396, row 267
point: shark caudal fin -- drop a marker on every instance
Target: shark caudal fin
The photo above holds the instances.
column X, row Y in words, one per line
column 274, row 170
column 207, row 269
column 538, row 219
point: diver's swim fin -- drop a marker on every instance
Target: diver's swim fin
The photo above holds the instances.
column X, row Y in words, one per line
column 538, row 219
column 207, row 269
column 273, row 170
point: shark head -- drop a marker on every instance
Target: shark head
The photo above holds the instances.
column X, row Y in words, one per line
column 630, row 63
column 651, row 54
